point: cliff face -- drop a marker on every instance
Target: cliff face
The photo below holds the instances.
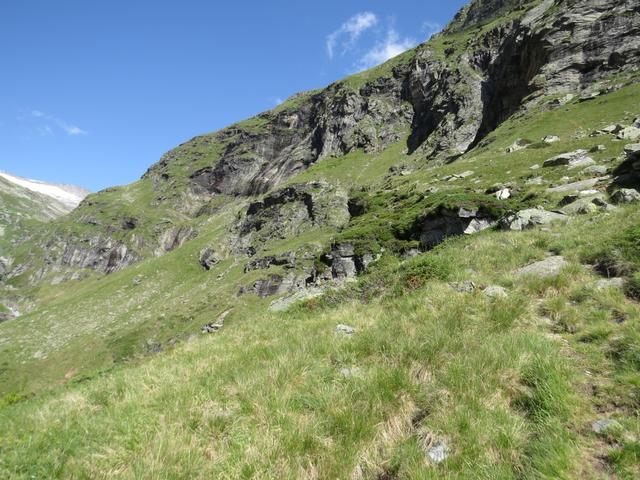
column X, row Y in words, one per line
column 495, row 60
column 449, row 93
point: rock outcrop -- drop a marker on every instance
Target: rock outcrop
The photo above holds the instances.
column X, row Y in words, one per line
column 530, row 218
column 289, row 212
column 448, row 222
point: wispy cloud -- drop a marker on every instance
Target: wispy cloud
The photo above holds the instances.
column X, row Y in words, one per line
column 68, row 128
column 350, row 31
column 391, row 46
column 431, row 28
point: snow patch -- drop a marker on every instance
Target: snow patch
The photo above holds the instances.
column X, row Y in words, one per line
column 68, row 195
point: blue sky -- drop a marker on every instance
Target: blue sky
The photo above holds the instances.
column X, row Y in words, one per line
column 92, row 93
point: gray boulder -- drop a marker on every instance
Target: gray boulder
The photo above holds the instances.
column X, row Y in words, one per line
column 468, row 286
column 530, row 218
column 549, row 267
column 604, row 424
column 612, row 129
column 495, row 291
column 209, row 258
column 345, row 329
column 519, row 144
column 282, row 304
column 576, row 186
column 606, row 283
column 632, row 151
column 438, row 451
column 549, row 139
column 563, row 100
column 575, row 159
column 626, row 195
column 448, row 222
column 595, row 170
column 629, row 133
column 577, row 204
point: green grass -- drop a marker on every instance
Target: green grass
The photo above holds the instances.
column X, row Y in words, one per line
column 266, row 396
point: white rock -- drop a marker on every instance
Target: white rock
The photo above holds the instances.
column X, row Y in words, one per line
column 629, row 133
column 549, row 267
column 495, row 291
column 503, row 194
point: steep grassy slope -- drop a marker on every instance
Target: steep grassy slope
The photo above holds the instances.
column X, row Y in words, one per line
column 511, row 386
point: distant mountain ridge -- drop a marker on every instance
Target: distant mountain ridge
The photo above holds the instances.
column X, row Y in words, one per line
column 69, row 196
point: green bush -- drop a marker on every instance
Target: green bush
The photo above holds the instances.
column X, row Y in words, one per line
column 417, row 271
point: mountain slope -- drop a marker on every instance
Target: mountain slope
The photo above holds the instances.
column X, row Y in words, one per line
column 353, row 263
column 25, row 206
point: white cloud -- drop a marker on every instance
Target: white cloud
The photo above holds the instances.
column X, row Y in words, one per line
column 69, row 129
column 390, row 47
column 278, row 101
column 431, row 28
column 350, row 31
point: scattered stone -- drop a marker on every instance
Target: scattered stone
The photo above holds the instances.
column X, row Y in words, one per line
column 598, row 148
column 632, row 151
column 602, row 425
column 626, row 195
column 534, row 167
column 549, row 139
column 411, row 253
column 153, row 346
column 584, row 205
column 588, row 193
column 495, row 291
column 503, row 194
column 458, row 176
column 350, row 372
column 467, row 286
column 629, row 133
column 568, row 200
column 402, row 170
column 576, row 186
column 137, row 280
column 612, row 129
column 530, row 218
column 574, row 159
column 548, row 267
column 590, row 95
column 563, row 100
column 606, row 283
column 345, row 329
column 438, row 451
column 282, row 304
column 535, row 181
column 209, row 258
column 519, row 144
column 217, row 325
column 595, row 170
